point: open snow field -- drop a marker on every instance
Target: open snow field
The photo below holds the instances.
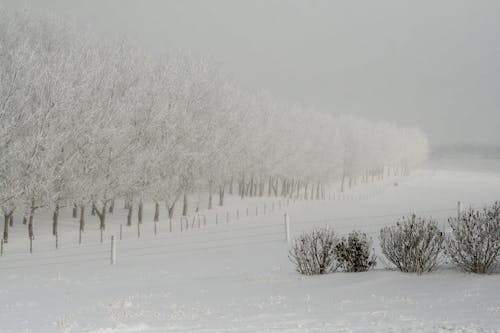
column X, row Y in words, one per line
column 236, row 277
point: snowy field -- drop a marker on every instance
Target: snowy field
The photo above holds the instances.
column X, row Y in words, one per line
column 235, row 276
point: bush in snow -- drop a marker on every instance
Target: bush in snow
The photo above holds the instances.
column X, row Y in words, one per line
column 313, row 252
column 413, row 245
column 354, row 253
column 474, row 241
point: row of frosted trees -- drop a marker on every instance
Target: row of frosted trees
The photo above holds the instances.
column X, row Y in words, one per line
column 85, row 121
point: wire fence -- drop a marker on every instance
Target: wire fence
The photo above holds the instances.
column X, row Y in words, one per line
column 228, row 234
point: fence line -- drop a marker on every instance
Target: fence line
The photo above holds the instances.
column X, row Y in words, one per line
column 178, row 246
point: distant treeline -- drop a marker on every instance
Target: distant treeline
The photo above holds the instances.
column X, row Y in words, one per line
column 467, row 149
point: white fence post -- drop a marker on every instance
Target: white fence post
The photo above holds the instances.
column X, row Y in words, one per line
column 459, row 209
column 113, row 250
column 287, row 228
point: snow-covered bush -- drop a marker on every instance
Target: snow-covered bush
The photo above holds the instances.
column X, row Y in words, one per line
column 413, row 245
column 354, row 254
column 474, row 241
column 314, row 252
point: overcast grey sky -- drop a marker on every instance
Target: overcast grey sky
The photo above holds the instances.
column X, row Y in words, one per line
column 430, row 63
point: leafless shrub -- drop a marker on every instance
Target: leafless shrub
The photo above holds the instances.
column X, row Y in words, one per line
column 313, row 252
column 474, row 242
column 413, row 245
column 354, row 253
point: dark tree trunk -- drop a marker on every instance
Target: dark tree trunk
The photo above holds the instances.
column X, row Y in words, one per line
column 129, row 214
column 30, row 221
column 55, row 220
column 157, row 212
column 139, row 212
column 112, row 206
column 185, row 205
column 210, row 195
column 102, row 216
column 75, row 211
column 6, row 227
column 82, row 218
column 221, row 196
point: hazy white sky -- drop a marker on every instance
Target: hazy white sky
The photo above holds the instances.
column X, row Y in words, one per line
column 430, row 63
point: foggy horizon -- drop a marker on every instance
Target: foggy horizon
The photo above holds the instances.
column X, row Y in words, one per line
column 434, row 66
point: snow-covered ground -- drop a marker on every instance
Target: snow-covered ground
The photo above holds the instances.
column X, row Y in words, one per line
column 235, row 276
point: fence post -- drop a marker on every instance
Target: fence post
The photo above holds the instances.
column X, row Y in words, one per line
column 101, row 234
column 155, row 226
column 287, row 228
column 138, row 230
column 57, row 241
column 459, row 209
column 113, row 250
column 121, row 231
column 1, row 247
column 79, row 236
column 31, row 244
column 204, row 220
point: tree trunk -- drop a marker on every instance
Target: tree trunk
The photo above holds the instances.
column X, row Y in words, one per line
column 102, row 217
column 139, row 212
column 157, row 212
column 185, row 205
column 129, row 214
column 210, row 195
column 30, row 220
column 55, row 220
column 112, row 206
column 6, row 227
column 25, row 220
column 11, row 220
column 82, row 218
column 242, row 187
column 231, row 186
column 221, row 196
column 75, row 211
